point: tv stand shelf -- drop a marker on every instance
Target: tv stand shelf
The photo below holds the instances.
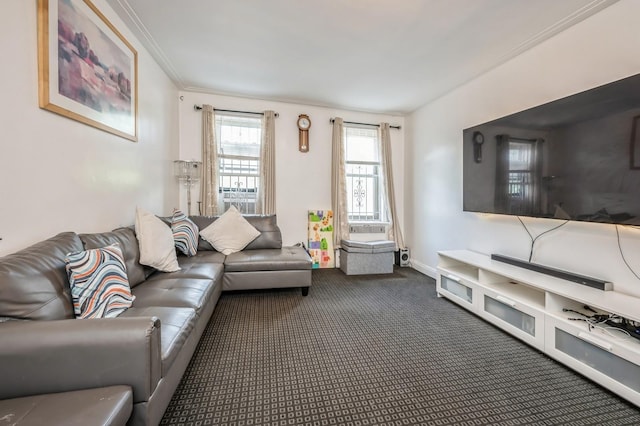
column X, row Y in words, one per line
column 537, row 308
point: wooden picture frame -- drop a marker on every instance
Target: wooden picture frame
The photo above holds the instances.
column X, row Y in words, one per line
column 634, row 144
column 87, row 70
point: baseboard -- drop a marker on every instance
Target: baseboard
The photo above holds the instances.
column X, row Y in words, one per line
column 425, row 269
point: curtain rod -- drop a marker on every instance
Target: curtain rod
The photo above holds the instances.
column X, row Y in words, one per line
column 364, row 124
column 524, row 139
column 198, row 108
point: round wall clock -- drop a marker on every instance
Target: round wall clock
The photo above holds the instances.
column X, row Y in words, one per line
column 478, row 140
column 304, row 123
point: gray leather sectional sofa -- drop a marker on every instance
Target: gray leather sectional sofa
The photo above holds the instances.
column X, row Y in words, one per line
column 144, row 352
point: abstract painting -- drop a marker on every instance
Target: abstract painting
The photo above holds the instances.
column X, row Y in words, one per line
column 87, row 69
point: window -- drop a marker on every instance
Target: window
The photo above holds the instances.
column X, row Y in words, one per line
column 363, row 174
column 239, row 138
column 520, row 170
column 518, row 175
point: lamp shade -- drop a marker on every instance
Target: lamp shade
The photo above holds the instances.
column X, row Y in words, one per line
column 189, row 170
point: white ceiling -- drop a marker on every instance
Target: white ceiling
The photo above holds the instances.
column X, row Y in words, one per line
column 371, row 55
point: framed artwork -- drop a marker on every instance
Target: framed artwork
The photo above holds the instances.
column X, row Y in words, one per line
column 634, row 147
column 87, row 71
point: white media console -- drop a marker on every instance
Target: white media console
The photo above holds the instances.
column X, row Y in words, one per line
column 529, row 305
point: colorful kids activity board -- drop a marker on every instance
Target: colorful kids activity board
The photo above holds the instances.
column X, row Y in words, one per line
column 321, row 238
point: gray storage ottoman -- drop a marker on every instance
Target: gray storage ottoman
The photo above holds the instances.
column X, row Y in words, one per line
column 366, row 257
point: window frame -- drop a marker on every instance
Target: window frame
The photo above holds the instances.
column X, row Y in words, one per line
column 379, row 213
column 245, row 199
column 523, row 175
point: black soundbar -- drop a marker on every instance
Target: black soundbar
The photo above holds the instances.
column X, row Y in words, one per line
column 558, row 273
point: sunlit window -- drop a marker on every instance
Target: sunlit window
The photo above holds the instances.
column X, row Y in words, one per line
column 239, row 138
column 521, row 171
column 363, row 174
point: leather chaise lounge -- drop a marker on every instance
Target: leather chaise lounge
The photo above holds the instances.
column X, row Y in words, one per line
column 140, row 356
column 264, row 263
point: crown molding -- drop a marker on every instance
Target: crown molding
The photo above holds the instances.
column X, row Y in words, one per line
column 294, row 101
column 538, row 38
column 556, row 28
column 135, row 24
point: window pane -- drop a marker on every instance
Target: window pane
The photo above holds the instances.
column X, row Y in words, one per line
column 363, row 201
column 521, row 185
column 238, row 135
column 239, row 140
column 520, row 156
column 361, row 144
column 363, row 174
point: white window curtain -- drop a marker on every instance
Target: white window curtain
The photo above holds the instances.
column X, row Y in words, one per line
column 266, row 203
column 394, row 233
column 209, row 179
column 338, row 185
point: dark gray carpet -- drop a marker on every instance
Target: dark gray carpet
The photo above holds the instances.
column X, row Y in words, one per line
column 373, row 350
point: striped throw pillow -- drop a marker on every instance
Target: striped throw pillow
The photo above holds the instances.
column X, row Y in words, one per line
column 185, row 233
column 99, row 284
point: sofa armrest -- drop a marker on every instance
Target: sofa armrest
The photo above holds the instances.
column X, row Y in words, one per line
column 54, row 356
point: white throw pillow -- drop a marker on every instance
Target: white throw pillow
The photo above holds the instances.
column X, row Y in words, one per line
column 155, row 238
column 230, row 233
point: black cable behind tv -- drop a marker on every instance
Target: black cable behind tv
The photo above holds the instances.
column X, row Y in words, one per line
column 558, row 273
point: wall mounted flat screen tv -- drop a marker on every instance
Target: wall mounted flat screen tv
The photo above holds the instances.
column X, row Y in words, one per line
column 575, row 158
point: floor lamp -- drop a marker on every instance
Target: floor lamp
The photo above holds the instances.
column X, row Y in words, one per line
column 188, row 172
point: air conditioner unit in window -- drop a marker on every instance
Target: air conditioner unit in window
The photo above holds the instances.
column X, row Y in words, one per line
column 367, row 229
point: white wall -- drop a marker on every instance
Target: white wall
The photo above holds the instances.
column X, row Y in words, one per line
column 57, row 174
column 594, row 52
column 303, row 180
